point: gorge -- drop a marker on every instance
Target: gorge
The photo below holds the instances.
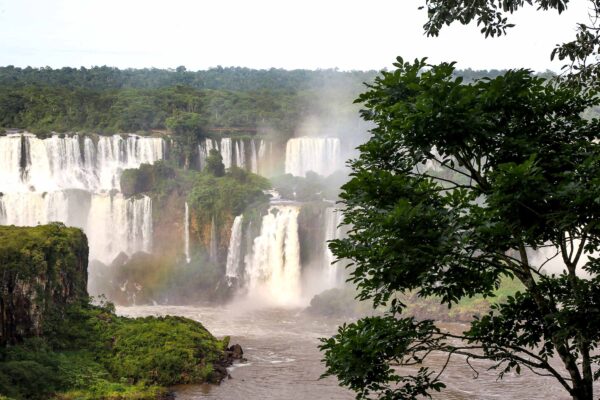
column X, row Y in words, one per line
column 77, row 180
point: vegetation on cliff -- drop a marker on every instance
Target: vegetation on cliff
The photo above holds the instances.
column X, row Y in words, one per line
column 43, row 269
column 215, row 197
column 90, row 353
column 56, row 344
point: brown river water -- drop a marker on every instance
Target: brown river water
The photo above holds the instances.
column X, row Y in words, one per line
column 284, row 361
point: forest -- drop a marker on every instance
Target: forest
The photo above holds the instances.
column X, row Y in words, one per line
column 223, row 100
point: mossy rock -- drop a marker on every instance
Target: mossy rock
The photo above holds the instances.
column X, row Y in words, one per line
column 43, row 268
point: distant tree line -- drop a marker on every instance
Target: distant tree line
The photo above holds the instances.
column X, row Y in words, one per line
column 108, row 100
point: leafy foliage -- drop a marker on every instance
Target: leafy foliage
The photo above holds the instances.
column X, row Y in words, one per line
column 94, row 354
column 214, row 164
column 459, row 188
column 218, row 197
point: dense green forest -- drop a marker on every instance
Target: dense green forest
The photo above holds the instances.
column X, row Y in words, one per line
column 233, row 100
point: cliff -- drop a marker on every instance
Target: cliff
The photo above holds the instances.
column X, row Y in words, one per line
column 55, row 344
column 43, row 269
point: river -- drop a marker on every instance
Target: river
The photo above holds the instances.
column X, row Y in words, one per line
column 284, row 362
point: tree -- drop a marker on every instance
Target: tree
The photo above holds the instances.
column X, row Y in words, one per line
column 582, row 53
column 187, row 128
column 214, row 163
column 459, row 187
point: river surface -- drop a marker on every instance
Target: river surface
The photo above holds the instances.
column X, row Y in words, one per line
column 284, row 362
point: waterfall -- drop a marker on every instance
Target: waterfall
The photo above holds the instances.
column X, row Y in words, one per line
column 273, row 270
column 234, row 252
column 89, row 154
column 213, row 256
column 116, row 154
column 226, row 152
column 72, row 180
column 332, row 273
column 234, row 152
column 240, row 157
column 186, row 233
column 321, row 155
column 253, row 157
column 2, row 212
column 10, row 162
column 34, row 208
column 116, row 224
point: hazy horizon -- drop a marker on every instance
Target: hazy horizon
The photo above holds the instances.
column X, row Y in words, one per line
column 347, row 35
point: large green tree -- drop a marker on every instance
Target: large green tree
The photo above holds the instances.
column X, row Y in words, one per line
column 459, row 187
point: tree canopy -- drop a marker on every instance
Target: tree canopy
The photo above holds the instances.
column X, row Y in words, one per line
column 459, row 187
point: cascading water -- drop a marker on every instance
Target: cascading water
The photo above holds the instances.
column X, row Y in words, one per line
column 273, row 270
column 204, row 149
column 320, row 155
column 116, row 154
column 226, row 152
column 71, row 180
column 116, row 224
column 10, row 162
column 253, row 157
column 234, row 152
column 333, row 274
column 240, row 154
column 234, row 252
column 186, row 233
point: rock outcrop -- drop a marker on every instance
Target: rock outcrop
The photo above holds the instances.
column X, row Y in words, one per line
column 42, row 269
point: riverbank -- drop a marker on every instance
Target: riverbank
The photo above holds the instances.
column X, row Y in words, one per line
column 284, row 362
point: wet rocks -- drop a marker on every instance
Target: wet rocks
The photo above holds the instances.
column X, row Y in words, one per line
column 232, row 354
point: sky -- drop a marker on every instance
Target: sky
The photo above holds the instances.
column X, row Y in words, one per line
column 290, row 34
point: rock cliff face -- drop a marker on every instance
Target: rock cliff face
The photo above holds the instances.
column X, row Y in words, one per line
column 42, row 269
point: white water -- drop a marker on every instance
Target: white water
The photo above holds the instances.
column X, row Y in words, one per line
column 71, row 180
column 233, row 151
column 186, row 233
column 332, row 272
column 234, row 252
column 226, row 152
column 204, row 149
column 320, row 155
column 273, row 270
column 116, row 224
column 253, row 157
column 240, row 154
column 58, row 163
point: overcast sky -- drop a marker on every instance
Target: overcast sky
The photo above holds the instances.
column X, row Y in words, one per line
column 289, row 34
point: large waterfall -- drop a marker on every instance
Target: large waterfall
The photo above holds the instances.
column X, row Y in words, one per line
column 76, row 181
column 234, row 252
column 320, row 155
column 267, row 267
column 273, row 269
